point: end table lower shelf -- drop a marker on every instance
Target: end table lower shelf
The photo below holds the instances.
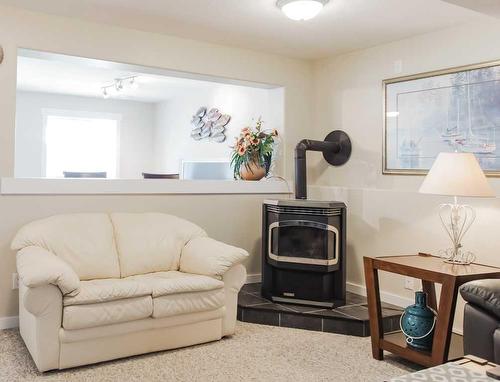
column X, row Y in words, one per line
column 397, row 339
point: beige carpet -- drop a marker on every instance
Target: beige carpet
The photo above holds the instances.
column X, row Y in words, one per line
column 254, row 353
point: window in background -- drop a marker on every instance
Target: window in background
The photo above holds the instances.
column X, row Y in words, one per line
column 80, row 144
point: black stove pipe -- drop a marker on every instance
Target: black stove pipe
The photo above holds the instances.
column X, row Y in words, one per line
column 300, row 162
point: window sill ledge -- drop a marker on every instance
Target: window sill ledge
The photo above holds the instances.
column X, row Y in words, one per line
column 31, row 186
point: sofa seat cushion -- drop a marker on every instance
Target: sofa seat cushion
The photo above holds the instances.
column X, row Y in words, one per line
column 184, row 303
column 107, row 313
column 174, row 282
column 160, row 294
column 176, row 293
column 97, row 291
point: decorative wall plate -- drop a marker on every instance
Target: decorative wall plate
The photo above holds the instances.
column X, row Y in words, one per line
column 219, row 137
column 217, row 129
column 216, row 117
column 224, row 120
column 205, row 134
column 214, row 114
column 209, row 124
column 207, row 129
column 201, row 112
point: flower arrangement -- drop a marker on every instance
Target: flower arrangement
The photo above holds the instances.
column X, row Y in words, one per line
column 252, row 152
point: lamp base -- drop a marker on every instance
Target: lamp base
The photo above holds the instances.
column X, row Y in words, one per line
column 456, row 220
column 458, row 262
column 462, row 258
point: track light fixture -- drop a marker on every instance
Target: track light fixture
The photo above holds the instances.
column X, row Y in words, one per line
column 119, row 85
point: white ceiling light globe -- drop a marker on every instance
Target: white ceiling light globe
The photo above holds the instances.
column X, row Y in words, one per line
column 301, row 9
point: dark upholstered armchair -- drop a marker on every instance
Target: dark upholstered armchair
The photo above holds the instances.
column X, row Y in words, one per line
column 482, row 319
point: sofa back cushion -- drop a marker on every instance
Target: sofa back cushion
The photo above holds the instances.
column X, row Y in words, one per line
column 151, row 242
column 84, row 241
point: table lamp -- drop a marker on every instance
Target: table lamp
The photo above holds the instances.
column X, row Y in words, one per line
column 456, row 174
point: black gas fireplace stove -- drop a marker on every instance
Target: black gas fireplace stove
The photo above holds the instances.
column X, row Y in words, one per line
column 304, row 241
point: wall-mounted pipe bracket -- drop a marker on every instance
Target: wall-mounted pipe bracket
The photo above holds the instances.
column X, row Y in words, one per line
column 336, row 149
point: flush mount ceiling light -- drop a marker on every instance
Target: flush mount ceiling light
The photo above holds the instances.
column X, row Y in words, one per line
column 301, row 9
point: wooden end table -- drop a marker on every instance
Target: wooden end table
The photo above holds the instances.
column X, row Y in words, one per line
column 430, row 270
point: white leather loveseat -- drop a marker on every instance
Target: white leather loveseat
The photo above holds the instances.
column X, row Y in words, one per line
column 95, row 287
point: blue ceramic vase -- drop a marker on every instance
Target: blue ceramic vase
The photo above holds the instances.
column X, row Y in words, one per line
column 417, row 323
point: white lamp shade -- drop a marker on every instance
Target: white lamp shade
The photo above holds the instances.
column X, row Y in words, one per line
column 456, row 174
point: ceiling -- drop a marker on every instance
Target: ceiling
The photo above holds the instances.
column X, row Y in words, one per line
column 80, row 77
column 344, row 25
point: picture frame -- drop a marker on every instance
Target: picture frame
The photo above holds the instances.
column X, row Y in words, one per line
column 454, row 109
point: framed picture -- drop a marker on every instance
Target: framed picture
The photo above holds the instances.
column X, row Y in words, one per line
column 448, row 110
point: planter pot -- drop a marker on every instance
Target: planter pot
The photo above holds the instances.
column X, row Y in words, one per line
column 252, row 171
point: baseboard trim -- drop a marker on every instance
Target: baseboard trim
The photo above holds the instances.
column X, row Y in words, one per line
column 387, row 297
column 9, row 322
column 254, row 279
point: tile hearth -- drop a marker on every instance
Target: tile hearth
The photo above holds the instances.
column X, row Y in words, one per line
column 351, row 319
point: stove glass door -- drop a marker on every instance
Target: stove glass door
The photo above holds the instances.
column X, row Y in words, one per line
column 303, row 242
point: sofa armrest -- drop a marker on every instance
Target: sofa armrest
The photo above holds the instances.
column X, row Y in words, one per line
column 496, row 346
column 40, row 318
column 484, row 294
column 38, row 267
column 479, row 329
column 233, row 279
column 206, row 256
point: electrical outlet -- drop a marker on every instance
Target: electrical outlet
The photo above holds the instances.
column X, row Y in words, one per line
column 15, row 281
column 409, row 283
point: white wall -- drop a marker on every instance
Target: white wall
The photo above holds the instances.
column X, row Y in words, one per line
column 245, row 105
column 136, row 130
column 222, row 215
column 387, row 215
